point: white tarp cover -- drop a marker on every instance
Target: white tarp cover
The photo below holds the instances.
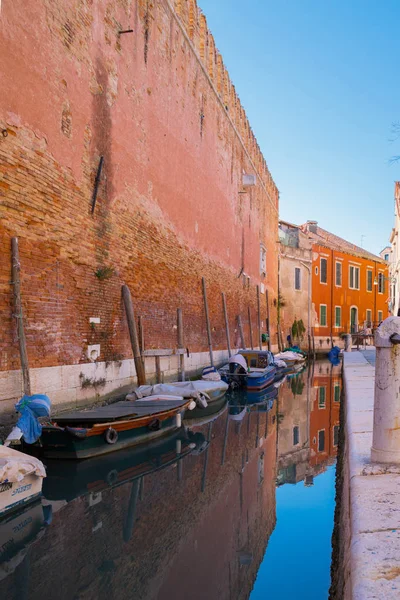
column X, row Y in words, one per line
column 15, row 465
column 288, row 355
column 186, row 389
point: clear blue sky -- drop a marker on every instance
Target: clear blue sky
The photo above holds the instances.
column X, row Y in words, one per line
column 319, row 82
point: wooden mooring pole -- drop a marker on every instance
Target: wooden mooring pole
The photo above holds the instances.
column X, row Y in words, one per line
column 130, row 315
column 228, row 341
column 268, row 321
column 250, row 330
column 180, row 345
column 239, row 320
column 207, row 321
column 259, row 317
column 15, row 273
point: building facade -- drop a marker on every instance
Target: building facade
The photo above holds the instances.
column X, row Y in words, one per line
column 130, row 160
column 350, row 288
column 394, row 258
column 295, row 266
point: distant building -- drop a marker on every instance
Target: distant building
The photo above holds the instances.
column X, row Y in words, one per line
column 295, row 264
column 349, row 286
column 395, row 254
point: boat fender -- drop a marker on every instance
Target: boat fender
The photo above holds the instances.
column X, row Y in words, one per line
column 110, row 435
column 154, row 425
column 201, row 401
column 112, row 477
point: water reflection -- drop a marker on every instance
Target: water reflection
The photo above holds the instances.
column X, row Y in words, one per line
column 190, row 518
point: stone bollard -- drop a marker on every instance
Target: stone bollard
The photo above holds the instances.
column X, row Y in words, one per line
column 386, row 433
column 347, row 342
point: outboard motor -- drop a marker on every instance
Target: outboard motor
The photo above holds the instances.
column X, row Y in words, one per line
column 237, row 371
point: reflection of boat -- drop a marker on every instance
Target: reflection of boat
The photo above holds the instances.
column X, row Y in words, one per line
column 207, row 417
column 71, row 479
column 17, row 533
column 266, row 396
column 84, row 434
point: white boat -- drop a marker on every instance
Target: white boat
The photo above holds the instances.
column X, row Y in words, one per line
column 21, row 478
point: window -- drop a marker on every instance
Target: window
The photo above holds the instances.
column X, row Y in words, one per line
column 369, row 280
column 338, row 316
column 381, row 284
column 297, row 278
column 335, row 435
column 324, row 269
column 336, row 397
column 321, row 440
column 321, row 397
column 322, row 315
column 354, row 278
column 263, row 260
column 380, row 316
column 369, row 317
column 386, row 257
column 338, row 274
column 295, row 435
column 316, row 270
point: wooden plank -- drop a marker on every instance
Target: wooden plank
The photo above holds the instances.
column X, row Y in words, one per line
column 207, row 321
column 259, row 317
column 159, row 352
column 250, row 330
column 158, row 369
column 228, row 341
column 268, row 320
column 181, row 350
column 15, row 279
column 141, row 339
column 130, row 315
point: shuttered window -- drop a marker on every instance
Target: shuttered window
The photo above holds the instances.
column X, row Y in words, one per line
column 295, row 435
column 322, row 397
column 322, row 315
column 338, row 316
column 369, row 281
column 323, row 275
column 381, row 283
column 338, row 273
column 321, row 440
column 354, row 278
column 337, row 393
column 297, row 279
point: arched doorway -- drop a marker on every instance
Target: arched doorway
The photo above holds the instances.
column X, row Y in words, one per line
column 353, row 319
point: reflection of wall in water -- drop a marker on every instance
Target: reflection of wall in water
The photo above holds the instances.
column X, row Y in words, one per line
column 184, row 543
column 293, row 438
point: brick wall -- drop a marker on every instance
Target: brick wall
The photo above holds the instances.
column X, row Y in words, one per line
column 159, row 106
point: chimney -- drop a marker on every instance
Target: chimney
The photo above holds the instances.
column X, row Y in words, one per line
column 312, row 226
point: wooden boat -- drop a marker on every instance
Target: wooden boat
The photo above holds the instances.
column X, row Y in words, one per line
column 258, row 379
column 260, row 373
column 68, row 479
column 83, row 434
column 21, row 479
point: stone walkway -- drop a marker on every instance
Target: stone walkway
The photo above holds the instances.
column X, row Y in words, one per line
column 372, row 555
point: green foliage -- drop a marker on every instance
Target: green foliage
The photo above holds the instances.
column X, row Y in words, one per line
column 103, row 273
column 297, row 385
column 298, row 329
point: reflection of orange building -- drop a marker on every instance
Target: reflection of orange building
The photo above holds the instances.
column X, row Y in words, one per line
column 349, row 285
column 324, row 416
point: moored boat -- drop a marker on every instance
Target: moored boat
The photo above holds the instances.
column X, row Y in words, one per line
column 253, row 369
column 83, row 434
column 21, row 478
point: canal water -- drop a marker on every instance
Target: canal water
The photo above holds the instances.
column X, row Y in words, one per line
column 241, row 506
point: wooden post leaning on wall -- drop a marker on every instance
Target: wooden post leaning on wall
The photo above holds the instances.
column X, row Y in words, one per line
column 259, row 317
column 130, row 315
column 141, row 338
column 15, row 273
column 207, row 321
column 228, row 341
column 240, row 326
column 268, row 321
column 180, row 345
column 250, row 330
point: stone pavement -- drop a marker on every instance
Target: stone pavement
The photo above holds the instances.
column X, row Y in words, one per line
column 371, row 493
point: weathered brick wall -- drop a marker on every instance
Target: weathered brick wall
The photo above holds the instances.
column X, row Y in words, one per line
column 158, row 105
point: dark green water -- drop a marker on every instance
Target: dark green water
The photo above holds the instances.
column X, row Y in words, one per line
column 247, row 513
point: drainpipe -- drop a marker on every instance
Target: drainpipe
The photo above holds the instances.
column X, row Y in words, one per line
column 309, row 304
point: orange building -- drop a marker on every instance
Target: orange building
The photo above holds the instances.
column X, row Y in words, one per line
column 350, row 288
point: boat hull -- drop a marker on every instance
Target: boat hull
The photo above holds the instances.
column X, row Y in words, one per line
column 214, row 405
column 260, row 381
column 58, row 443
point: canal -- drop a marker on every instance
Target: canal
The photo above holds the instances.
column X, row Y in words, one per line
column 239, row 507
